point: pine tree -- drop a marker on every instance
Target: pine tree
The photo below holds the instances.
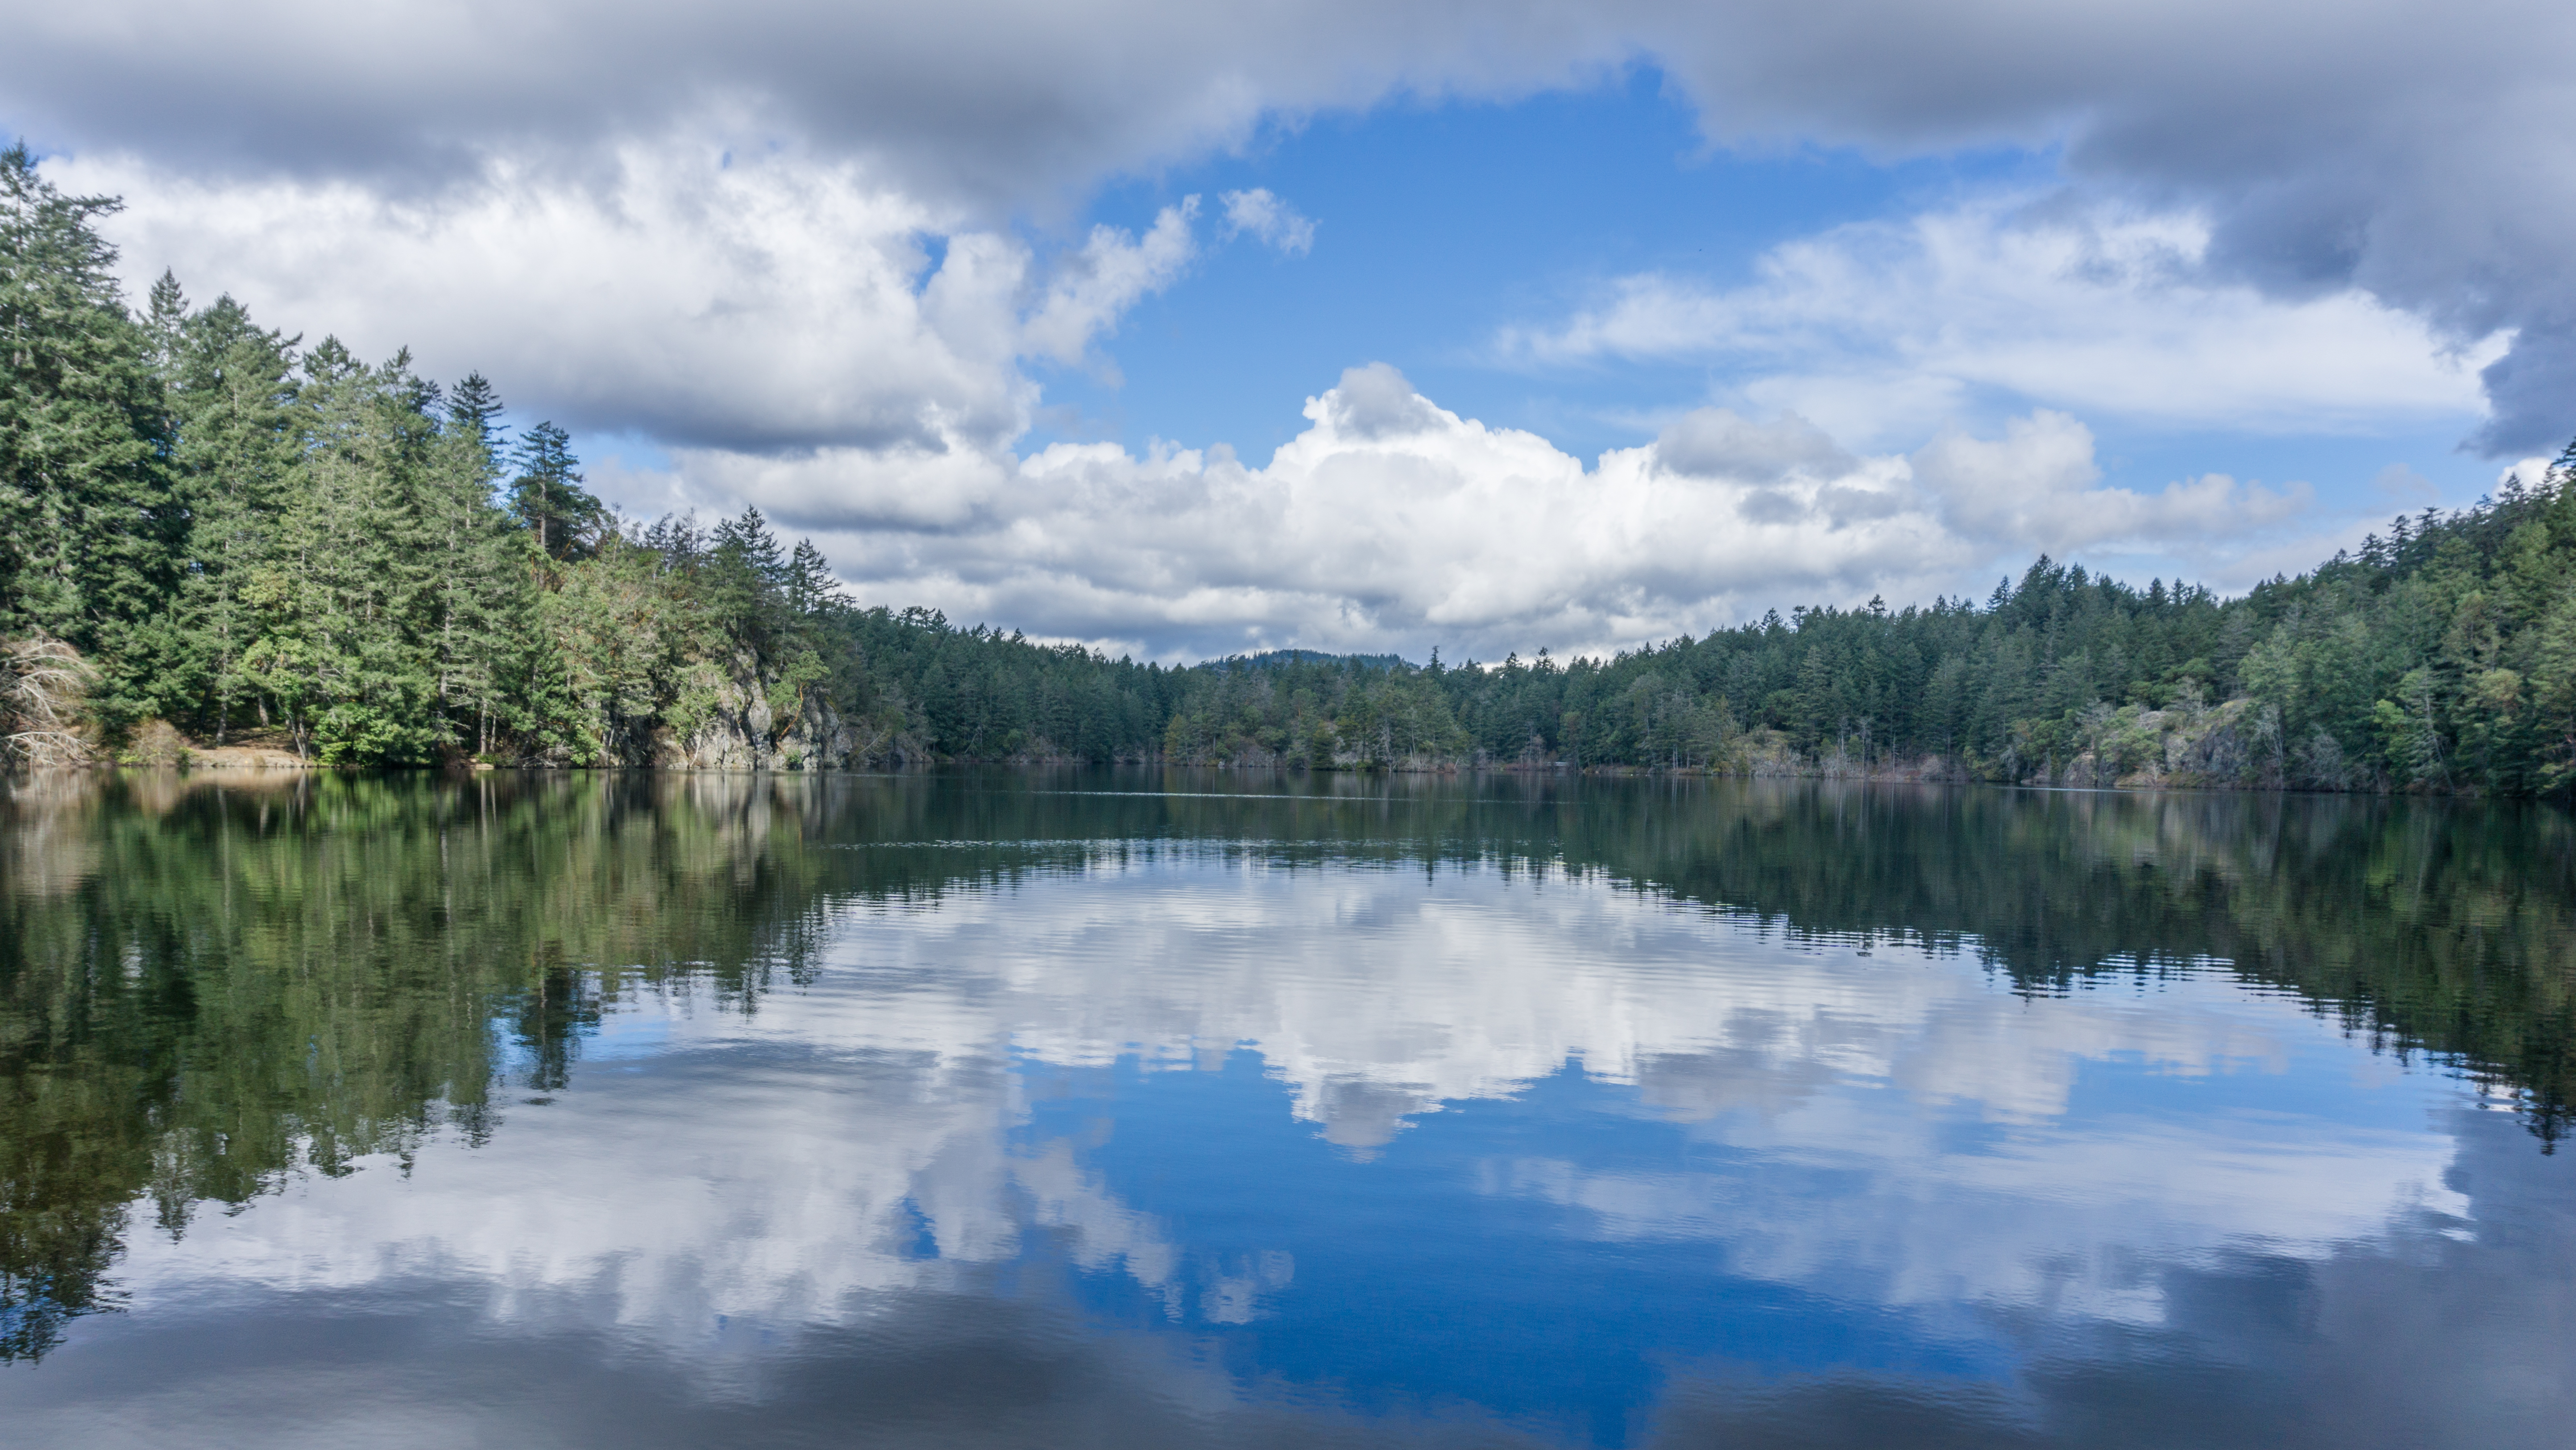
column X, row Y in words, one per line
column 812, row 589
column 548, row 497
column 349, row 650
column 164, row 314
column 480, row 601
column 232, row 393
column 91, row 534
column 746, row 580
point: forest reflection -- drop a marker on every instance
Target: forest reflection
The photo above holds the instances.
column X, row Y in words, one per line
column 211, row 986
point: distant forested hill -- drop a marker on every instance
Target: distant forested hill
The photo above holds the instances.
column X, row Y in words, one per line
column 216, row 537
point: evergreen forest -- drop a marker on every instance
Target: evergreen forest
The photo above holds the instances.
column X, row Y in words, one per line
column 217, row 537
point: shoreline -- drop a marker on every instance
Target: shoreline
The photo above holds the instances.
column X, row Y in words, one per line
column 239, row 762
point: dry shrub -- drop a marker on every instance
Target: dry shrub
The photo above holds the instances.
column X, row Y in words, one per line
column 44, row 685
column 154, row 742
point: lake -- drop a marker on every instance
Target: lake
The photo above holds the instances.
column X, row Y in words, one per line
column 1136, row 1108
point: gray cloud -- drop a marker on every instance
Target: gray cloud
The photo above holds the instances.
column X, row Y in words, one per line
column 1715, row 443
column 993, row 103
column 2533, row 392
column 2416, row 153
column 1376, row 402
column 2410, row 150
column 2413, row 1341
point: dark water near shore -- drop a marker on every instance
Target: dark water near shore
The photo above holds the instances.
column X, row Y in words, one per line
column 1134, row 1109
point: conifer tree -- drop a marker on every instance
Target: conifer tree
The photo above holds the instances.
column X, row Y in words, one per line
column 746, row 581
column 165, row 313
column 548, row 497
column 349, row 651
column 232, row 393
column 479, row 597
column 811, row 587
column 91, row 535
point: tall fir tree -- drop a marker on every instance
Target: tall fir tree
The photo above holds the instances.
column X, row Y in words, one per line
column 92, row 535
column 232, row 395
column 349, row 649
column 480, row 595
column 548, row 497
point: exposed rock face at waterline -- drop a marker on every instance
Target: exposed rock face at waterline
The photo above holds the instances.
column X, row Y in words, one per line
column 744, row 728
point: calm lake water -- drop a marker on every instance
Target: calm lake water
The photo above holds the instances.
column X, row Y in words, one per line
column 1160, row 1108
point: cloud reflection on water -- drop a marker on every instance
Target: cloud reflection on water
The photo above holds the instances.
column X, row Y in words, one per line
column 1889, row 1128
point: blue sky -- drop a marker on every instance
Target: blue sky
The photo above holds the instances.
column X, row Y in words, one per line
column 1612, row 321
column 1440, row 224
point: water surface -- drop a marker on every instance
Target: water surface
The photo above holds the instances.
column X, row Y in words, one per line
column 1130, row 1108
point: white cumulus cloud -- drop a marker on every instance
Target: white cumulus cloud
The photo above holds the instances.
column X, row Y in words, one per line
column 1887, row 327
column 1393, row 523
column 776, row 301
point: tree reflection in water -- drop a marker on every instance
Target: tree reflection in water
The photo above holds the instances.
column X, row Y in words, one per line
column 210, row 987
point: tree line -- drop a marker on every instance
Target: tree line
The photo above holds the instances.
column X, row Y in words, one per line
column 213, row 532
column 2440, row 656
column 209, row 525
